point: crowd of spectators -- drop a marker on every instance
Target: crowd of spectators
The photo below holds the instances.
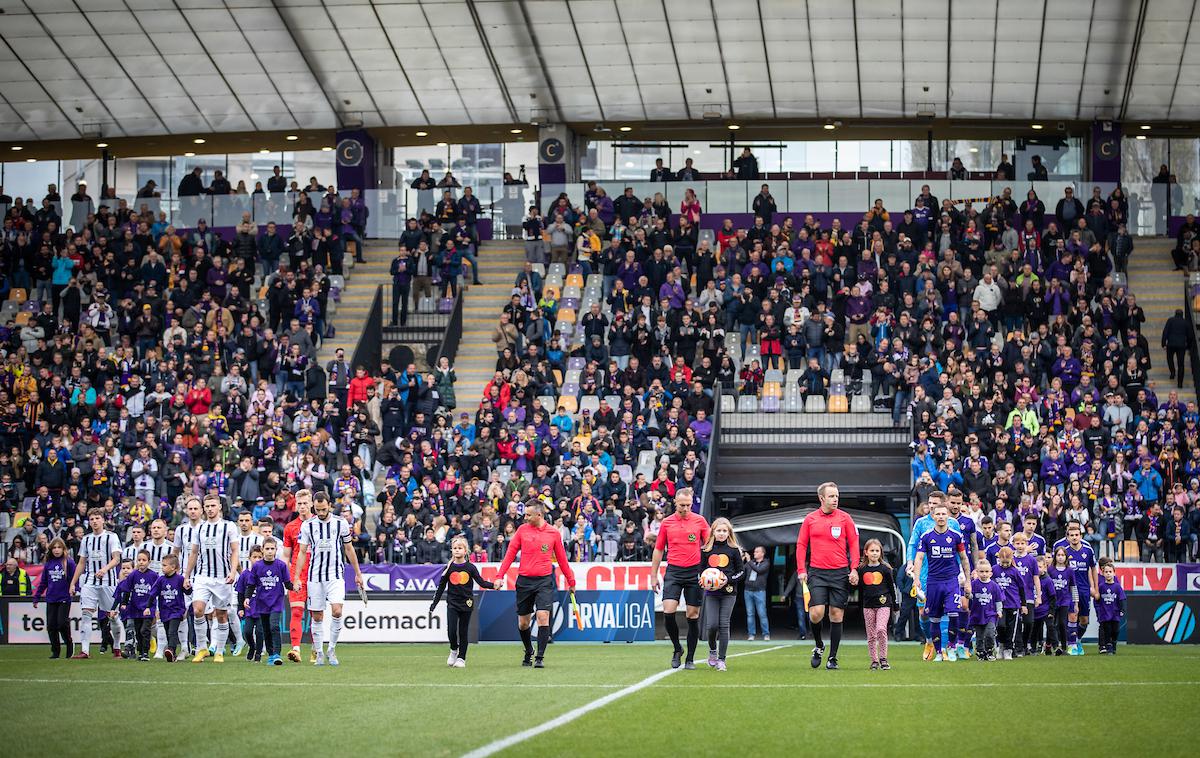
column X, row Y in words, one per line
column 142, row 364
column 1001, row 333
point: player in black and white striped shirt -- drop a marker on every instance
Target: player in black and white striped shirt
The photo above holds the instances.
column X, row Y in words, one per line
column 184, row 534
column 211, row 573
column 159, row 547
column 248, row 539
column 326, row 537
column 99, row 557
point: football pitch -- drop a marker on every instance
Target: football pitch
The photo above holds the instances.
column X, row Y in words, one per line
column 600, row 700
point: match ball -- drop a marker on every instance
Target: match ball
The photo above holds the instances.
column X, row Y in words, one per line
column 712, row 579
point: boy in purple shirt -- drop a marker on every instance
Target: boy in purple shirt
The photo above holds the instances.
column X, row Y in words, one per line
column 266, row 583
column 135, row 595
column 1110, row 607
column 1027, row 566
column 54, row 585
column 172, row 607
column 1012, row 596
column 985, row 610
column 947, row 556
column 246, row 609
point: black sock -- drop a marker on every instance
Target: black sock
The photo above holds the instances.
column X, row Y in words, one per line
column 543, row 640
column 672, row 625
column 816, row 634
column 835, row 637
column 527, row 641
column 693, row 637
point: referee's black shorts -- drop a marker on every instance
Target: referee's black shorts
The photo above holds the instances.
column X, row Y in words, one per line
column 683, row 580
column 829, row 587
column 535, row 592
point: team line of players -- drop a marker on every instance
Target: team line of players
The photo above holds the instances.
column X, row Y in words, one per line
column 1019, row 598
column 213, row 560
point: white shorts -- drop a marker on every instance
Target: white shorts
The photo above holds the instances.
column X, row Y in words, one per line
column 320, row 593
column 96, row 597
column 214, row 593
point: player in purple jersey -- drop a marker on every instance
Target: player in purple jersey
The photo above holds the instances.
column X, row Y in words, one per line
column 1082, row 560
column 268, row 579
column 1110, row 607
column 1027, row 566
column 944, row 595
column 970, row 534
column 172, row 605
column 1037, row 543
column 1012, row 595
column 986, row 608
column 1003, row 539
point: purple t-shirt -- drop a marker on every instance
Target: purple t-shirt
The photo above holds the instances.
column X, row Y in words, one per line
column 1027, row 567
column 1063, row 581
column 1111, row 602
column 985, row 600
column 1042, row 610
column 136, row 591
column 169, row 593
column 268, row 580
column 1009, row 581
column 56, row 580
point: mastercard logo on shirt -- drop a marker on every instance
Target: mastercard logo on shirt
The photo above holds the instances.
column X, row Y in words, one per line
column 872, row 577
column 718, row 561
column 459, row 577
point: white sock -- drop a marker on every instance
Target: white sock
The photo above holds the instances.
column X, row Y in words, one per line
column 201, row 633
column 220, row 637
column 183, row 635
column 160, row 634
column 235, row 629
column 117, row 627
column 335, row 630
column 85, row 631
column 316, row 636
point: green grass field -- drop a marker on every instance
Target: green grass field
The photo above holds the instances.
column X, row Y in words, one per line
column 402, row 700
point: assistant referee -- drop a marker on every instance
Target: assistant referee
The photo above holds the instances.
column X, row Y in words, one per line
column 540, row 546
column 827, row 558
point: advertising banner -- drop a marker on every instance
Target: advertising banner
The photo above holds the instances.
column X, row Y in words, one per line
column 393, row 621
column 1167, row 618
column 608, row 616
column 25, row 626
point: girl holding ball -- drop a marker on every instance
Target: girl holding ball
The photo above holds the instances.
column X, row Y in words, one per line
column 721, row 562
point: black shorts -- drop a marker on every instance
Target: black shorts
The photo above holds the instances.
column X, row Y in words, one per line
column 535, row 592
column 685, row 580
column 829, row 587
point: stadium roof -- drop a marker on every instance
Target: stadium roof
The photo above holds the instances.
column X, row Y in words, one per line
column 74, row 68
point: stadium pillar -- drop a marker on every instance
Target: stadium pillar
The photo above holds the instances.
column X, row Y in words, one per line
column 1106, row 151
column 559, row 149
column 355, row 151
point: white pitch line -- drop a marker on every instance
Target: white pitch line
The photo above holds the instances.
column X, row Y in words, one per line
column 515, row 739
column 927, row 685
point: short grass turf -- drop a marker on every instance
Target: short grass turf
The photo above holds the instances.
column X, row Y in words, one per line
column 402, row 700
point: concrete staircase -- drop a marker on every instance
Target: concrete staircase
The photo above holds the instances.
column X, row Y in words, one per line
column 499, row 264
column 1159, row 290
column 351, row 314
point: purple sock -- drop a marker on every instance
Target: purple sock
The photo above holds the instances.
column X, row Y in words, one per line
column 953, row 630
column 1072, row 632
column 936, row 628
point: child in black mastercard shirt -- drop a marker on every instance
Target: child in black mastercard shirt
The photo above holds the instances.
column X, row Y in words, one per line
column 457, row 583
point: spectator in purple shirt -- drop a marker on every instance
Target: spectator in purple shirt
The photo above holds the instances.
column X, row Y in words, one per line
column 672, row 291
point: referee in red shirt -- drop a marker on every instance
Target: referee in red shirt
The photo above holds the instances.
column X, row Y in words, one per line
column 681, row 534
column 537, row 542
column 827, row 558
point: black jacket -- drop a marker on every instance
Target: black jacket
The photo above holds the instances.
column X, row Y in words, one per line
column 1175, row 332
